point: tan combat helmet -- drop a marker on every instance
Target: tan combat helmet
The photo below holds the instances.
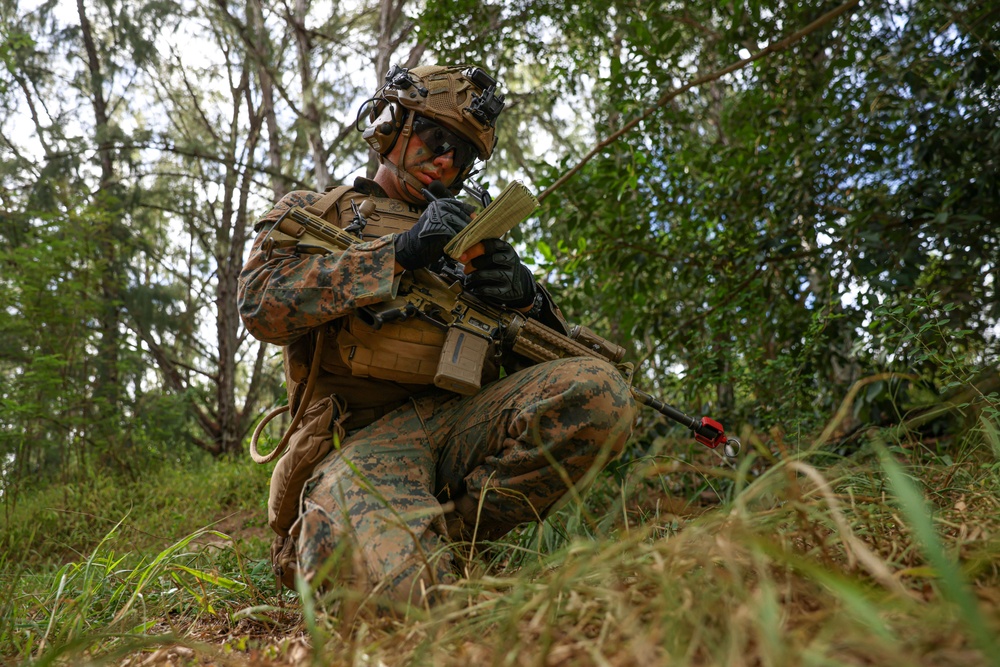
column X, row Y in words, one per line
column 460, row 98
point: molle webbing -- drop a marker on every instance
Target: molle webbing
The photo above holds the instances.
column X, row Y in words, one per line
column 406, row 352
column 387, row 216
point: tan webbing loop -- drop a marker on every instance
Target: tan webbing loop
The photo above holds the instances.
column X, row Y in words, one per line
column 323, row 205
column 303, row 404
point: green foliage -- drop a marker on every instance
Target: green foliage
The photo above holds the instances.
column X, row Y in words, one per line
column 819, row 225
column 113, row 602
column 916, row 332
column 737, row 240
column 762, row 243
column 745, row 232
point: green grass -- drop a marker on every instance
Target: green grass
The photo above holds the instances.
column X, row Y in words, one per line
column 57, row 524
column 101, row 565
column 889, row 557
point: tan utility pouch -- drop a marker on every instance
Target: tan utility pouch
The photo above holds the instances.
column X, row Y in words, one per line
column 407, row 353
column 307, row 446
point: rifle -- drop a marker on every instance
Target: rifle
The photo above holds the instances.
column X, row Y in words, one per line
column 473, row 327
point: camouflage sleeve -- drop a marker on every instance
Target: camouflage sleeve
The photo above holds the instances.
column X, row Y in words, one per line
column 283, row 296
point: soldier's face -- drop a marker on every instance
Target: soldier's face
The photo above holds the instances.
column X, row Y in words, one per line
column 420, row 162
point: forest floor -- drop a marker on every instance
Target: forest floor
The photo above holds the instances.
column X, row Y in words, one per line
column 888, row 556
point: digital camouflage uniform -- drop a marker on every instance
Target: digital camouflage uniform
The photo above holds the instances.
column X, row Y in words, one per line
column 419, row 465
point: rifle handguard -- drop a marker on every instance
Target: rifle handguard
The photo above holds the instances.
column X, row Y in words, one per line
column 600, row 346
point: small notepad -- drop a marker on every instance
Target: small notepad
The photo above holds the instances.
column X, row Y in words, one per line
column 504, row 213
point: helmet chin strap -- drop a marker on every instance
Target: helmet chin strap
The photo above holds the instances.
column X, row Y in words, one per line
column 407, row 181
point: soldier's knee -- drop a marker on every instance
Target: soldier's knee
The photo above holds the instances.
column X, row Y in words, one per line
column 584, row 412
column 597, row 387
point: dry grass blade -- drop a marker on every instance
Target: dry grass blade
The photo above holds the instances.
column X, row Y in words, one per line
column 855, row 548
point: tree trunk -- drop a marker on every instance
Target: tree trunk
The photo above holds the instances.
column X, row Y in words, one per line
column 229, row 258
column 255, row 17
column 109, row 209
column 313, row 122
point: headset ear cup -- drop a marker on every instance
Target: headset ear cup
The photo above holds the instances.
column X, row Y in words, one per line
column 381, row 133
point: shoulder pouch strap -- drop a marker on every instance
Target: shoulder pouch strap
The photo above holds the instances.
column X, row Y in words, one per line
column 323, row 205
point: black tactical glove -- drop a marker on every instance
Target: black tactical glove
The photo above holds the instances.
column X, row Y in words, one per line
column 500, row 277
column 425, row 241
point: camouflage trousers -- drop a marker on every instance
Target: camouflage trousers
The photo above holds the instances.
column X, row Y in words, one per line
column 380, row 510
